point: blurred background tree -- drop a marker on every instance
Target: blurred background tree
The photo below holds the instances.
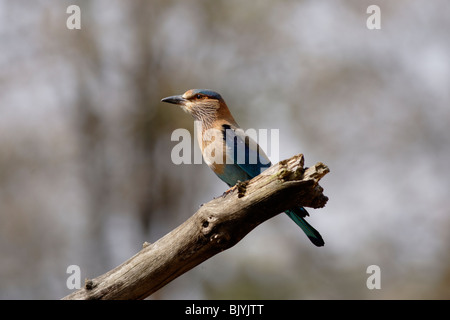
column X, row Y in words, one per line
column 85, row 169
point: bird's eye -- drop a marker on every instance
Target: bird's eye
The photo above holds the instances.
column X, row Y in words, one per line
column 199, row 96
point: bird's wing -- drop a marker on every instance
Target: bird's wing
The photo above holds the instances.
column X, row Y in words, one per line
column 249, row 157
column 243, row 151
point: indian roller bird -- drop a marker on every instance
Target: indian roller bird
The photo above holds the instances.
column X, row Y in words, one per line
column 222, row 141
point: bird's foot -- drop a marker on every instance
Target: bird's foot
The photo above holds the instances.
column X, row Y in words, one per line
column 229, row 191
column 241, row 188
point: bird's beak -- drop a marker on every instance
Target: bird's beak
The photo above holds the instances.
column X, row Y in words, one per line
column 175, row 100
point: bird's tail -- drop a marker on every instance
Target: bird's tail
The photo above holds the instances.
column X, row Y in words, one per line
column 297, row 215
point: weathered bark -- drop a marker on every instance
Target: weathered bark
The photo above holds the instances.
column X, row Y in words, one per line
column 216, row 226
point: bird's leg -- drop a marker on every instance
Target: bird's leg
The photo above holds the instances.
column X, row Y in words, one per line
column 230, row 190
column 240, row 186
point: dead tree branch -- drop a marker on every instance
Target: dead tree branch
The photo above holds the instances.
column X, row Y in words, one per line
column 216, row 226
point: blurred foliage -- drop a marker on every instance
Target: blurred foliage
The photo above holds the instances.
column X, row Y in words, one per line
column 85, row 169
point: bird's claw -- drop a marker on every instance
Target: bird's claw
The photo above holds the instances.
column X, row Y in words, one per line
column 230, row 190
column 241, row 188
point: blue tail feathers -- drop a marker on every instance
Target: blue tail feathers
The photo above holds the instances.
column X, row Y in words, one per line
column 297, row 215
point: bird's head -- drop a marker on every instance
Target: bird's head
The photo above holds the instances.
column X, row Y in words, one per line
column 202, row 104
